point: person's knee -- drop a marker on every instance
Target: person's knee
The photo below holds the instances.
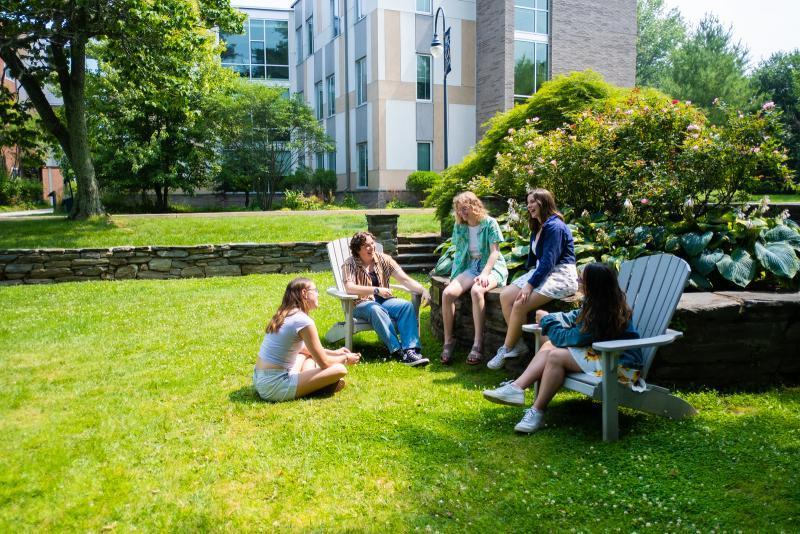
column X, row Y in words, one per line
column 338, row 369
column 451, row 292
column 377, row 313
column 555, row 358
column 477, row 291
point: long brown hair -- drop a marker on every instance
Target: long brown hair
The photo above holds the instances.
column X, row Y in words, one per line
column 605, row 312
column 548, row 208
column 292, row 300
column 470, row 199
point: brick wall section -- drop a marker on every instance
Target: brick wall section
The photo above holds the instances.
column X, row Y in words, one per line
column 494, row 61
column 597, row 35
column 734, row 339
column 46, row 266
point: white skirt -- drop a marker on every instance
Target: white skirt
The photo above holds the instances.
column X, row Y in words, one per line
column 562, row 282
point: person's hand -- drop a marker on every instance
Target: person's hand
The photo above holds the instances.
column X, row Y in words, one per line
column 426, row 298
column 385, row 292
column 482, row 280
column 352, row 358
column 540, row 314
column 340, row 351
column 524, row 293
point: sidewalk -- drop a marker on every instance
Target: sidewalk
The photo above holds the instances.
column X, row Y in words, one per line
column 27, row 213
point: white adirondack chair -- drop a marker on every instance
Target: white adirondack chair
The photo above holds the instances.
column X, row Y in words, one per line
column 338, row 252
column 653, row 285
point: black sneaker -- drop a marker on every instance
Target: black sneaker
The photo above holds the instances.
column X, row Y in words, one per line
column 412, row 359
column 396, row 355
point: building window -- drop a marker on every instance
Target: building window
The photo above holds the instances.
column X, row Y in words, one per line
column 299, row 45
column 530, row 16
column 530, row 68
column 362, row 164
column 424, row 156
column 320, row 163
column 332, row 161
column 319, row 105
column 424, row 6
column 261, row 52
column 361, row 81
column 334, row 18
column 310, row 35
column 359, row 7
column 423, row 77
column 331, row 87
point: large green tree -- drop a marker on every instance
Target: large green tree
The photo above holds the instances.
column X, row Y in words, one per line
column 778, row 80
column 266, row 135
column 660, row 33
column 710, row 65
column 44, row 41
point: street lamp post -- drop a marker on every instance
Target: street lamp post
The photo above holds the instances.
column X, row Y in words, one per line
column 439, row 48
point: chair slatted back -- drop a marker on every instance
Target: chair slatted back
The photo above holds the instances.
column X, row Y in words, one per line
column 338, row 252
column 653, row 286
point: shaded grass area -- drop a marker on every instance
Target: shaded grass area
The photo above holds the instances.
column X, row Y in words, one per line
column 57, row 232
column 128, row 405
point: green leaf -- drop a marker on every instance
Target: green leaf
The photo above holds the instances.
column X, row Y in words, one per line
column 673, row 244
column 521, row 251
column 778, row 258
column 738, row 268
column 512, row 264
column 698, row 281
column 782, row 233
column 694, row 243
column 704, row 263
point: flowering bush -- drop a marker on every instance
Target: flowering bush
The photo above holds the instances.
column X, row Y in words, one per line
column 645, row 156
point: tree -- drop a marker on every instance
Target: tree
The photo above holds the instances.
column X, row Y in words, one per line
column 21, row 134
column 266, row 135
column 708, row 67
column 152, row 133
column 659, row 34
column 46, row 40
column 778, row 80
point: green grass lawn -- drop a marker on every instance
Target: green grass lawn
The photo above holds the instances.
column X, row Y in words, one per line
column 776, row 198
column 128, row 406
column 120, row 230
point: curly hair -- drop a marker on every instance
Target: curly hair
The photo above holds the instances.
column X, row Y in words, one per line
column 548, row 203
column 358, row 241
column 292, row 299
column 605, row 312
column 470, row 199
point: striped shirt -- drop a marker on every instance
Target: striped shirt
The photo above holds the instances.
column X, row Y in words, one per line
column 355, row 272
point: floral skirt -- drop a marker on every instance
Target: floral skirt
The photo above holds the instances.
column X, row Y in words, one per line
column 591, row 363
column 562, row 282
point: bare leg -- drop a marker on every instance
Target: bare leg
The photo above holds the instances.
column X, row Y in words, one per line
column 507, row 297
column 450, row 294
column 559, row 363
column 314, row 379
column 519, row 316
column 533, row 373
column 478, row 294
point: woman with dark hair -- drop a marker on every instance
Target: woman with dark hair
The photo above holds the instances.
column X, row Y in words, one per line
column 604, row 316
column 292, row 362
column 552, row 273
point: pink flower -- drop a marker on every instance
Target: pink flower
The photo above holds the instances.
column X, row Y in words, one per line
column 768, row 106
column 693, row 128
column 553, row 162
column 675, row 101
column 755, row 150
column 644, row 201
column 511, row 130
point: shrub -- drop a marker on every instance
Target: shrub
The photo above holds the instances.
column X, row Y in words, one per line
column 298, row 201
column 422, row 182
column 349, row 202
column 396, row 203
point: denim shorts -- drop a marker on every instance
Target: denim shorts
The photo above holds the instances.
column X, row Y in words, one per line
column 275, row 385
column 476, row 266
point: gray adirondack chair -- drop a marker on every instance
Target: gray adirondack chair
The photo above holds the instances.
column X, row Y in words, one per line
column 338, row 252
column 653, row 285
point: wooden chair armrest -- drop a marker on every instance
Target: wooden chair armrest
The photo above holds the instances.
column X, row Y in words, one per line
column 341, row 295
column 626, row 344
column 532, row 328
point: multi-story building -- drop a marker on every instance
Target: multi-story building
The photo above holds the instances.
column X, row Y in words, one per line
column 366, row 69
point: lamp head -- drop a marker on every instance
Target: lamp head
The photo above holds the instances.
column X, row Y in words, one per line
column 437, row 48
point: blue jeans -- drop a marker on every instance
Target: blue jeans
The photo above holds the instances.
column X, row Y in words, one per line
column 394, row 321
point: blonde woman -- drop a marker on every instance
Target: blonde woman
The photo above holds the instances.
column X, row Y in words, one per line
column 478, row 267
column 292, row 362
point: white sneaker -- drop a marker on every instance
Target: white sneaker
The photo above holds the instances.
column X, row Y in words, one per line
column 532, row 421
column 497, row 362
column 506, row 394
column 519, row 349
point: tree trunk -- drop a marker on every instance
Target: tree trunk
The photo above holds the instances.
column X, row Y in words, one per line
column 159, row 198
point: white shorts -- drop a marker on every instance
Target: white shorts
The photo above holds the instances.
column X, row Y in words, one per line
column 562, row 281
column 275, row 385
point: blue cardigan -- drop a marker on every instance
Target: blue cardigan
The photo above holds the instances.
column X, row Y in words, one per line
column 564, row 330
column 555, row 247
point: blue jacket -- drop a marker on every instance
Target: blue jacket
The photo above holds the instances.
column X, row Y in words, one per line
column 555, row 247
column 564, row 331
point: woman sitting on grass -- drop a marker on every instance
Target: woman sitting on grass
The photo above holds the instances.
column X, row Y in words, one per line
column 292, row 362
column 552, row 274
column 604, row 316
column 478, row 267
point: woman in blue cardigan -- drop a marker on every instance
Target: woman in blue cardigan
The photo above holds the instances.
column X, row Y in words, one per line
column 552, row 273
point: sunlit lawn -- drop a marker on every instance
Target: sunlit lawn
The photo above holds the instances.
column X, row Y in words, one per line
column 128, row 406
column 57, row 232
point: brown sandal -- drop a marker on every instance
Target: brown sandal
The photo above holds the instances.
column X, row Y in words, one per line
column 447, row 353
column 475, row 356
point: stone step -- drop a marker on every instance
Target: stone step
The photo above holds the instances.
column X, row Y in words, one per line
column 418, row 267
column 404, row 259
column 419, row 238
column 417, row 248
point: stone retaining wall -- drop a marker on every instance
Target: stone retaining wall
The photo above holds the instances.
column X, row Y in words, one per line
column 731, row 339
column 44, row 266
